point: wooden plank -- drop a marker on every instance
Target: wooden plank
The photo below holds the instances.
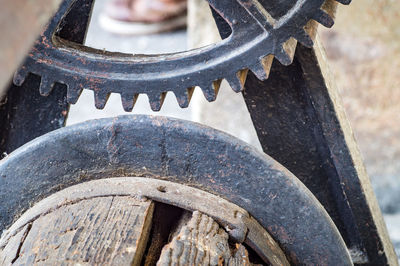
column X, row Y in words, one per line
column 10, row 252
column 21, row 22
column 103, row 230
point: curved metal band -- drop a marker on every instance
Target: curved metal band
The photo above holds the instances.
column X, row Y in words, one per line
column 236, row 221
column 181, row 152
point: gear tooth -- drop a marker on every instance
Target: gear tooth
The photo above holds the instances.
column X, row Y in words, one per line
column 128, row 101
column 73, row 95
column 304, row 38
column 286, row 52
column 344, row 2
column 283, row 58
column 20, row 76
column 184, row 97
column 46, row 86
column 156, row 101
column 101, row 98
column 237, row 80
column 261, row 69
column 211, row 91
column 324, row 18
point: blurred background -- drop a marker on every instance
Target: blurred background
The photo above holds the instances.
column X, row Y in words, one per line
column 363, row 50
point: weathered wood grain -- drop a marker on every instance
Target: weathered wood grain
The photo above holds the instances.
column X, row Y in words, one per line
column 103, row 230
column 201, row 241
column 10, row 252
column 174, row 199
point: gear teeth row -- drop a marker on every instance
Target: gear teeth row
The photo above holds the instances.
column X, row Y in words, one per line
column 325, row 16
column 284, row 53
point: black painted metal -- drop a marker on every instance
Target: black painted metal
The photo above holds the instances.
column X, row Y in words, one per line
column 75, row 23
column 289, row 131
column 297, row 125
column 288, row 111
column 182, row 152
column 26, row 114
column 254, row 36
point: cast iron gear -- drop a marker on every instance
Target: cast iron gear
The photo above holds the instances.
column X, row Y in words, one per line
column 260, row 30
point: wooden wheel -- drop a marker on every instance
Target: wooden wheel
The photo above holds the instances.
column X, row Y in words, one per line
column 125, row 221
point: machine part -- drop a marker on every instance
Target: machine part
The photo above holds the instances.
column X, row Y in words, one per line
column 311, row 136
column 259, row 29
column 235, row 220
column 181, row 152
column 25, row 114
column 21, row 22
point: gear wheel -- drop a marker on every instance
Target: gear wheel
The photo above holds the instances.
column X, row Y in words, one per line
column 260, row 30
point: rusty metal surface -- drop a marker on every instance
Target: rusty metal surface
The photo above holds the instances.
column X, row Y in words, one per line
column 177, row 151
column 21, row 22
column 256, row 34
